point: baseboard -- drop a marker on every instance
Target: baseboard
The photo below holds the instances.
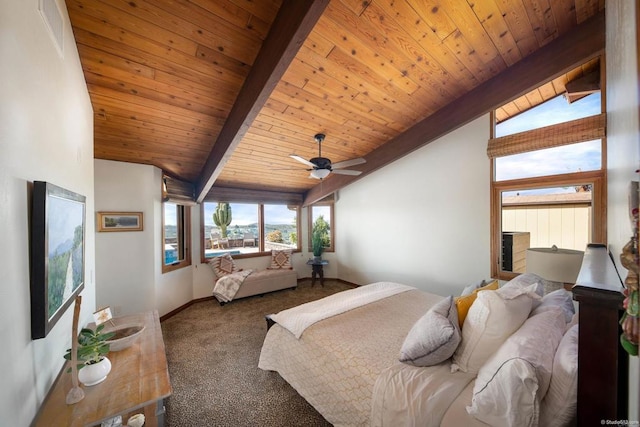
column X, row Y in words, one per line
column 183, row 307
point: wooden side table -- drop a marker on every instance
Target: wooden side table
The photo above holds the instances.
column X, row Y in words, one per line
column 138, row 382
column 317, row 270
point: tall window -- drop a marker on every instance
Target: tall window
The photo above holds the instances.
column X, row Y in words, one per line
column 323, row 213
column 248, row 229
column 176, row 232
column 548, row 179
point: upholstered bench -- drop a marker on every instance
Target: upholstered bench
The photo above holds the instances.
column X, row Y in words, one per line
column 264, row 281
column 233, row 283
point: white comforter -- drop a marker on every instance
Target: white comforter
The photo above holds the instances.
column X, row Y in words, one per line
column 299, row 318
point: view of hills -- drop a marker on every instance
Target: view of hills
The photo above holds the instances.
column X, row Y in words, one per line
column 238, row 231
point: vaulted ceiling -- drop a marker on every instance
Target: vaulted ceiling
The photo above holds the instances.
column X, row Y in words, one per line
column 219, row 93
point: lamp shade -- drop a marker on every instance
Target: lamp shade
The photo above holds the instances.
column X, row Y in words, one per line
column 554, row 264
column 320, row 173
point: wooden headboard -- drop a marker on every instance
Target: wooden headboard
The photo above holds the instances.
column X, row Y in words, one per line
column 603, row 365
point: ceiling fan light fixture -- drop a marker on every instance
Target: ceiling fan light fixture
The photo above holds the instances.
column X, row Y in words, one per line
column 320, row 173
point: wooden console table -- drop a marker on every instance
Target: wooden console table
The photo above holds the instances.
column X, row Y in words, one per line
column 138, row 383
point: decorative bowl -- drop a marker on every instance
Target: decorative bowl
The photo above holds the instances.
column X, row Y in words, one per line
column 125, row 335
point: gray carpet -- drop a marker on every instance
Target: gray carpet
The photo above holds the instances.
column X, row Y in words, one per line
column 213, row 354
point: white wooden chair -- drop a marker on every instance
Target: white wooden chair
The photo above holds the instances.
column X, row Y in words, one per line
column 248, row 239
column 218, row 242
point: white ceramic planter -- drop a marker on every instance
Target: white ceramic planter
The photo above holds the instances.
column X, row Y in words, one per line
column 94, row 374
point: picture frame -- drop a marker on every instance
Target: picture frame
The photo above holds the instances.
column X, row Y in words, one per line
column 58, row 230
column 120, row 221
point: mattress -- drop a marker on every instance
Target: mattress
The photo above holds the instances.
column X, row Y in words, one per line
column 336, row 362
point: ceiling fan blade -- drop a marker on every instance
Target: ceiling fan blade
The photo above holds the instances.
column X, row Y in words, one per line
column 346, row 172
column 301, row 160
column 347, row 163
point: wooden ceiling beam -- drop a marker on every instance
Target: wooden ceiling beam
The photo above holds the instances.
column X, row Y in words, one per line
column 585, row 85
column 585, row 42
column 294, row 22
column 238, row 195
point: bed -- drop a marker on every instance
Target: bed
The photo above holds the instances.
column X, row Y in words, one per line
column 346, row 363
column 233, row 283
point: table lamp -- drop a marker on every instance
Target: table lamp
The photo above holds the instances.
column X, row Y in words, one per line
column 555, row 265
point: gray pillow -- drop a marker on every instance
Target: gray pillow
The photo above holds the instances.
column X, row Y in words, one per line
column 472, row 287
column 434, row 337
column 560, row 298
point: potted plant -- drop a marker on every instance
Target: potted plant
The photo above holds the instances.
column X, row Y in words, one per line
column 317, row 245
column 93, row 364
column 319, row 237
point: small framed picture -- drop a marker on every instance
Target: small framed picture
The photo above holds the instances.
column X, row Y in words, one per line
column 119, row 221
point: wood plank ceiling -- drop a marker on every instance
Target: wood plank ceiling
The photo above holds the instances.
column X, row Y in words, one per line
column 164, row 77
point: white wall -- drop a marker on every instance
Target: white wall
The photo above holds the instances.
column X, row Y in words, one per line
column 423, row 220
column 622, row 140
column 174, row 288
column 129, row 275
column 124, row 260
column 46, row 134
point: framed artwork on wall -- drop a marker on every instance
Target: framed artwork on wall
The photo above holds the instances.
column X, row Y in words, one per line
column 57, row 254
column 119, row 221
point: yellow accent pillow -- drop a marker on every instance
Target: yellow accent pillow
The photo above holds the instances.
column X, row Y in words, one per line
column 464, row 303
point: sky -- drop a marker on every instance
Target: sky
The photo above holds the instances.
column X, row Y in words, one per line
column 556, row 110
column 565, row 159
column 245, row 214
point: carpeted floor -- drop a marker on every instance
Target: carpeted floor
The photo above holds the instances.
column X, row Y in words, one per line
column 213, row 354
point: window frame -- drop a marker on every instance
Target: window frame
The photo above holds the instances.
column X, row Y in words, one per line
column 330, row 248
column 598, row 205
column 598, row 179
column 183, row 230
column 261, row 251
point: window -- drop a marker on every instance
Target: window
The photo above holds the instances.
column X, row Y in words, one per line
column 280, row 227
column 248, row 229
column 548, row 181
column 583, row 156
column 176, row 232
column 322, row 213
column 552, row 112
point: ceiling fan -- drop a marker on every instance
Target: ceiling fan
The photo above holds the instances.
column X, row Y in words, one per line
column 321, row 167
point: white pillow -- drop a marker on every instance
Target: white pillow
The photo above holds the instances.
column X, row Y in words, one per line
column 434, row 337
column 559, row 406
column 510, row 386
column 493, row 316
column 526, row 280
column 558, row 298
